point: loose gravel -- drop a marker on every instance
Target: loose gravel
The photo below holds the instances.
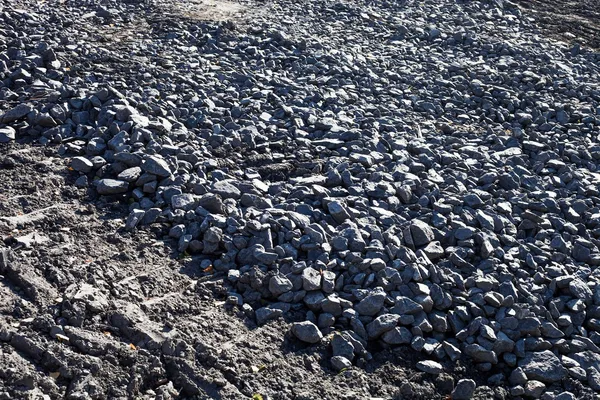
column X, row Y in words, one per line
column 421, row 174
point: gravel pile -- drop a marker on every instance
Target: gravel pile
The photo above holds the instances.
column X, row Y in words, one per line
column 420, row 174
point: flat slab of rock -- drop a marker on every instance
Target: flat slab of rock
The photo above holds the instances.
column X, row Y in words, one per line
column 16, row 113
column 430, row 367
column 111, row 186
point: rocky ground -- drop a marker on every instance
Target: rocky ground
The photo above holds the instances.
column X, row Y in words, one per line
column 299, row 200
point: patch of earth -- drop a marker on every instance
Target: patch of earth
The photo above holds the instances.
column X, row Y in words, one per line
column 141, row 322
column 210, row 10
column 570, row 21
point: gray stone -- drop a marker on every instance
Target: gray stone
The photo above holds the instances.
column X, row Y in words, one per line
column 328, row 281
column 451, row 350
column 111, row 186
column 586, row 358
column 16, row 113
column 581, row 253
column 226, row 190
column 82, row 182
column 398, row 335
column 177, row 231
column 517, row 377
column 325, row 320
column 480, row 354
column 578, row 373
column 338, row 211
column 430, row 367
column 212, row 203
column 464, row 389
column 364, row 159
column 134, row 218
column 316, row 233
column 339, row 363
column 307, row 332
column 464, row 233
column 82, row 164
column 151, row 216
column 184, row 201
column 543, row 366
column 130, row 174
column 265, row 314
column 7, row 134
column 381, row 324
column 342, row 347
column 403, row 305
column 434, row 251
column 565, row 396
column 123, row 112
column 579, row 289
column 534, row 389
column 279, row 284
column 517, row 391
column 473, row 200
column 421, row 233
column 211, row 240
column 372, row 303
column 157, row 166
column 311, row 279
column 594, row 378
column 313, row 300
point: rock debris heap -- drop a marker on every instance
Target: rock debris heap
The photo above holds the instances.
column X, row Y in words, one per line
column 404, row 173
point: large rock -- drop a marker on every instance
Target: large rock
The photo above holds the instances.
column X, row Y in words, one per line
column 338, row 211
column 480, row 354
column 421, row 233
column 311, row 279
column 212, row 203
column 111, row 186
column 16, row 113
column 464, row 389
column 279, row 284
column 185, row 201
column 543, row 366
column 372, row 303
column 341, row 346
column 586, row 358
column 7, row 134
column 157, row 166
column 382, row 324
column 307, row 332
column 430, row 367
column 81, row 164
column 226, row 190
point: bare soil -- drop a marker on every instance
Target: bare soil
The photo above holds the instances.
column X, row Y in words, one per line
column 162, row 328
column 570, row 21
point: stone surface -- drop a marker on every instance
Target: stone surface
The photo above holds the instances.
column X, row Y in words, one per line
column 430, row 367
column 307, row 332
column 111, row 186
column 464, row 389
column 421, row 233
column 543, row 366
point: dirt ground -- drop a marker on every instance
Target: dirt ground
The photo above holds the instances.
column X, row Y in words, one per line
column 570, row 21
column 157, row 325
column 146, row 324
